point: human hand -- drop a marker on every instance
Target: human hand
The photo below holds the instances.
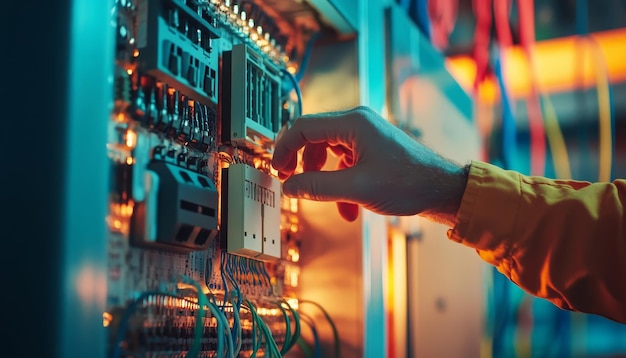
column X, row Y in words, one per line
column 381, row 167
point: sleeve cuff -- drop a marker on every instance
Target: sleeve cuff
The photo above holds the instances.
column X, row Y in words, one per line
column 487, row 216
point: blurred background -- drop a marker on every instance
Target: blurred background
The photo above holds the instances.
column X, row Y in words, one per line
column 548, row 81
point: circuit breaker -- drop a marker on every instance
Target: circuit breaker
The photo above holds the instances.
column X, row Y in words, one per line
column 251, row 210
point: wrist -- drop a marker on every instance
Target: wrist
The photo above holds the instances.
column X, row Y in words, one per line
column 451, row 187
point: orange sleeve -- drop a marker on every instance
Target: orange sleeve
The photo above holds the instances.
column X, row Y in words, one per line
column 561, row 240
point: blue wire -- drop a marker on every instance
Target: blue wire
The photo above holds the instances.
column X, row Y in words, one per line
column 420, row 14
column 316, row 339
column 304, row 63
column 509, row 137
column 223, row 274
column 582, row 25
column 121, row 330
column 267, row 276
column 296, row 86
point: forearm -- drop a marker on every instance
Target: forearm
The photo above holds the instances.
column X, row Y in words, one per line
column 561, row 240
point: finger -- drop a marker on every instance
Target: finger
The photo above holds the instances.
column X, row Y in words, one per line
column 290, row 168
column 348, row 211
column 322, row 186
column 314, row 156
column 319, row 128
column 340, row 150
column 345, row 154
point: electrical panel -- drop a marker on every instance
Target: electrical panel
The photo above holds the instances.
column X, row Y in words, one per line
column 203, row 249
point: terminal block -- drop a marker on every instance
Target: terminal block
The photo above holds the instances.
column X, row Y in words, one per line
column 251, row 212
column 179, row 212
column 178, row 46
column 252, row 107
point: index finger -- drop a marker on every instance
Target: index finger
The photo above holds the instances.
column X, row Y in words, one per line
column 316, row 128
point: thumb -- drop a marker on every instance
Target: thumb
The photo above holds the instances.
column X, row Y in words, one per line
column 321, row 185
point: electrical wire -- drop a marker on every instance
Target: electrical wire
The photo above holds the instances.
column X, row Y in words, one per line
column 337, row 344
column 125, row 319
column 203, row 302
column 272, row 349
column 535, row 116
column 296, row 87
column 235, row 333
column 317, row 345
column 556, row 140
column 552, row 128
column 132, row 308
column 237, row 328
column 305, row 347
column 288, row 338
column 304, row 63
column 292, row 340
column 604, row 112
column 509, row 135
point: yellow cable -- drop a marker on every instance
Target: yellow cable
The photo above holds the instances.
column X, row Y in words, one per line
column 604, row 113
column 558, row 148
column 554, row 134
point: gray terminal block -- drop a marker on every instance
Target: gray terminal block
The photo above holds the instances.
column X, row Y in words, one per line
column 178, row 46
column 185, row 213
column 251, row 209
column 253, row 108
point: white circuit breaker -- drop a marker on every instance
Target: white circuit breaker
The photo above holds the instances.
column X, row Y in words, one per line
column 251, row 205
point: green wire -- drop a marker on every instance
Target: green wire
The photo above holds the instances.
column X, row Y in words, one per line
column 270, row 343
column 202, row 302
column 305, row 347
column 285, row 348
column 255, row 346
column 332, row 326
column 239, row 337
column 296, row 318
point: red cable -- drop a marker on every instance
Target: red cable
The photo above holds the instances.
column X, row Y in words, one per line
column 482, row 9
column 535, row 117
column 501, row 10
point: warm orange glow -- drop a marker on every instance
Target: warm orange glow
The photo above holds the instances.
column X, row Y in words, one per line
column 293, row 254
column 562, row 64
column 293, row 302
column 136, row 53
column 130, row 160
column 129, row 71
column 121, row 117
column 123, row 210
column 292, row 275
column 293, row 205
column 294, row 279
column 131, row 138
column 294, row 228
column 90, row 284
column 262, row 311
column 106, row 319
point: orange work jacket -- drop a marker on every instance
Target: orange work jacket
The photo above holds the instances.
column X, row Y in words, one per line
column 561, row 240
